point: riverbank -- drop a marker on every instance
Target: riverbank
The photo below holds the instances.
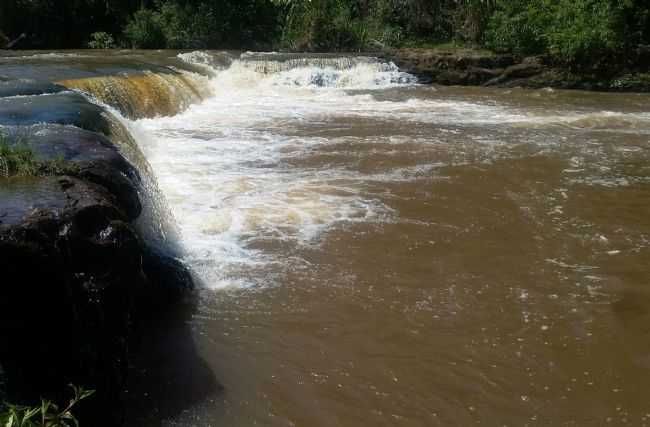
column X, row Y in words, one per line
column 477, row 67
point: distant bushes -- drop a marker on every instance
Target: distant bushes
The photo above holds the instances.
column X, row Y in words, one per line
column 517, row 27
column 356, row 25
column 194, row 25
column 171, row 25
column 144, row 30
column 578, row 33
column 101, row 40
column 323, row 25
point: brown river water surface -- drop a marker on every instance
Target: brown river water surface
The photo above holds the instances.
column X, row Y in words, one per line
column 377, row 252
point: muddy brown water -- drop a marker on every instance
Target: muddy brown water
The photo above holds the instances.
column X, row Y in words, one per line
column 506, row 284
column 475, row 256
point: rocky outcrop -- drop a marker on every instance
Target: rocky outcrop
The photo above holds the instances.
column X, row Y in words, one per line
column 471, row 67
column 73, row 268
column 77, row 273
column 451, row 67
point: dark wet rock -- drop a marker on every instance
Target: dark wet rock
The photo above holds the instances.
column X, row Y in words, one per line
column 71, row 267
column 25, row 200
column 76, row 275
column 79, row 278
column 52, row 141
column 451, row 67
column 92, row 155
column 170, row 278
column 116, row 182
column 27, row 87
column 470, row 76
column 528, row 68
column 477, row 67
column 61, row 108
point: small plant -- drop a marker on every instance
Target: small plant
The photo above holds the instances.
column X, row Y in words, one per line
column 19, row 160
column 101, row 40
column 46, row 415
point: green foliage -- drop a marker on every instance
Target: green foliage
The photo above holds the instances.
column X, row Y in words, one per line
column 18, row 160
column 579, row 33
column 470, row 20
column 101, row 40
column 363, row 24
column 574, row 32
column 323, row 25
column 177, row 24
column 173, row 26
column 184, row 26
column 50, row 24
column 47, row 414
column 584, row 29
column 519, row 27
column 144, row 30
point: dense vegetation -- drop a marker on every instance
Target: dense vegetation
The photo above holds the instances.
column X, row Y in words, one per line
column 574, row 32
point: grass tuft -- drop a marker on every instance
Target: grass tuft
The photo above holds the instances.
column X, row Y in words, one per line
column 19, row 160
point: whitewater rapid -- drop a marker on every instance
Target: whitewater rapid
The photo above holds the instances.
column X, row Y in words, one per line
column 223, row 164
column 233, row 167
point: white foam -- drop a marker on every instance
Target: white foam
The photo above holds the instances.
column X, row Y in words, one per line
column 52, row 55
column 231, row 168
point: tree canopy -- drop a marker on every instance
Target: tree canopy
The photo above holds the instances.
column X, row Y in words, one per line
column 571, row 31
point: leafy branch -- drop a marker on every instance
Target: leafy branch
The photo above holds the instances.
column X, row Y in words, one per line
column 47, row 414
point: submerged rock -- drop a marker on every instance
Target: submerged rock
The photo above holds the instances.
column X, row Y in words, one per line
column 27, row 87
column 64, row 108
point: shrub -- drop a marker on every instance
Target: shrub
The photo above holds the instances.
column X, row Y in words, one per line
column 46, row 415
column 575, row 32
column 323, row 25
column 101, row 40
column 144, row 30
column 186, row 27
column 585, row 30
column 518, row 27
column 389, row 36
column 470, row 20
column 202, row 24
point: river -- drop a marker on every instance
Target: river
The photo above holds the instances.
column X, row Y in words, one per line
column 372, row 251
